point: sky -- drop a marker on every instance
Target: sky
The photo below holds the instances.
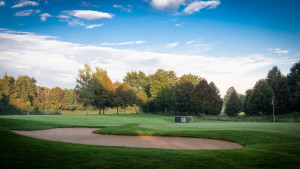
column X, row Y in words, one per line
column 230, row 42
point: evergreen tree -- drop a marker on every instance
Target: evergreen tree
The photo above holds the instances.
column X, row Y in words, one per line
column 233, row 105
column 215, row 101
column 182, row 92
column 205, row 98
column 294, row 86
column 279, row 85
column 248, row 94
column 260, row 99
column 226, row 97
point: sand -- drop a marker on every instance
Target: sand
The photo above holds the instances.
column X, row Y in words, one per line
column 85, row 136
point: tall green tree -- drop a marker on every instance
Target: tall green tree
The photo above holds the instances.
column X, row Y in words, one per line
column 141, row 99
column 233, row 105
column 226, row 98
column 294, row 86
column 260, row 99
column 279, row 85
column 83, row 87
column 181, row 95
column 6, row 88
column 205, row 98
column 215, row 101
column 248, row 94
column 56, row 99
column 161, row 89
column 126, row 96
column 24, row 92
column 137, row 80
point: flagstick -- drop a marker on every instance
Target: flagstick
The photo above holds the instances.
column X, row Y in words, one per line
column 273, row 112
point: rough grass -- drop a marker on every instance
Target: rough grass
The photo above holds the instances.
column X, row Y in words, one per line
column 267, row 145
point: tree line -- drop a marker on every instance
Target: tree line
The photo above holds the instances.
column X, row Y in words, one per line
column 162, row 91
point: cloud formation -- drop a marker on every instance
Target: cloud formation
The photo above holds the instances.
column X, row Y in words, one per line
column 2, row 3
column 27, row 12
column 44, row 16
column 123, row 43
column 25, row 3
column 278, row 51
column 93, row 26
column 196, row 6
column 127, row 8
column 56, row 63
column 167, row 4
column 172, row 45
column 89, row 14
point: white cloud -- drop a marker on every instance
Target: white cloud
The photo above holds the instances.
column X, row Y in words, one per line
column 27, row 12
column 190, row 42
column 25, row 3
column 196, row 6
column 2, row 3
column 89, row 14
column 56, row 63
column 172, row 45
column 127, row 8
column 178, row 24
column 44, row 16
column 167, row 4
column 278, row 51
column 93, row 26
column 123, row 43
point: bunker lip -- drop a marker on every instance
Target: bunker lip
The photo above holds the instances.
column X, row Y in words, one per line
column 85, row 136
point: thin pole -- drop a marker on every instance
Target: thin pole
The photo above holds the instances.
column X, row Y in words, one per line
column 273, row 112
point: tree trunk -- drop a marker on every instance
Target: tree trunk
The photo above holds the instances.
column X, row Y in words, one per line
column 87, row 111
column 117, row 109
column 166, row 109
column 137, row 108
column 103, row 110
column 124, row 109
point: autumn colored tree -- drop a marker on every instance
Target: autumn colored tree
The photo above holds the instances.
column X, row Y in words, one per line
column 195, row 79
column 24, row 92
column 6, row 88
column 56, row 99
column 106, row 95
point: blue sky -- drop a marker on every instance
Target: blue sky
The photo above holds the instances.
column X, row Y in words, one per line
column 231, row 42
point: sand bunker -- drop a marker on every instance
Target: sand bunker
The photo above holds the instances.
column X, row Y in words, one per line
column 85, row 136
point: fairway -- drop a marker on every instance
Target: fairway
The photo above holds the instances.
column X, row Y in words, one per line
column 266, row 144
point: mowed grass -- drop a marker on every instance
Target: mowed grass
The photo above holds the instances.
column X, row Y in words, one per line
column 267, row 145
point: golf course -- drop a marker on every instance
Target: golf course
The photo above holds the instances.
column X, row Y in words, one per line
column 266, row 144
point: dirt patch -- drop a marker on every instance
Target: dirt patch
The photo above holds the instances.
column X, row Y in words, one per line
column 85, row 136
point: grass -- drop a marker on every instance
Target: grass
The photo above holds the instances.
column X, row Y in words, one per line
column 267, row 145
